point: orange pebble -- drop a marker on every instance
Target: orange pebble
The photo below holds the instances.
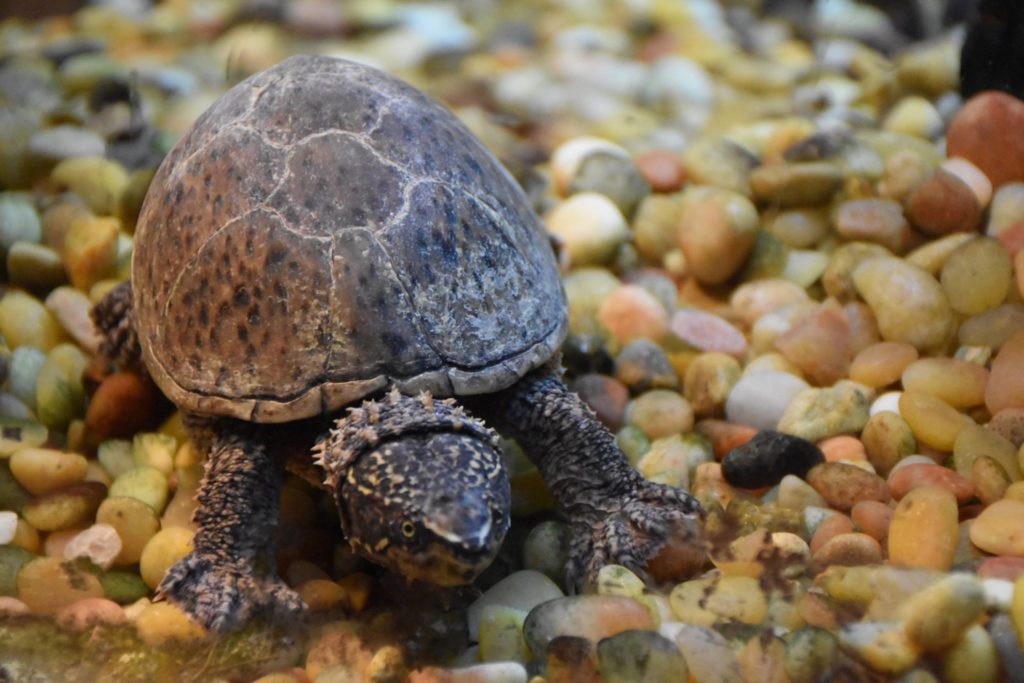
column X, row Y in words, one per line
column 903, row 479
column 662, row 169
column 839, row 448
column 725, row 436
column 828, row 529
column 872, row 518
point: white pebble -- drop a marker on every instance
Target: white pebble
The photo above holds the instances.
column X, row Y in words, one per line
column 998, row 594
column 100, row 543
column 566, row 158
column 522, row 590
column 497, row 672
column 972, row 176
column 8, row 525
column 912, row 460
column 760, row 399
column 889, row 401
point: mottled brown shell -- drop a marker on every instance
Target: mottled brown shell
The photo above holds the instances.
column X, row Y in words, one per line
column 325, row 230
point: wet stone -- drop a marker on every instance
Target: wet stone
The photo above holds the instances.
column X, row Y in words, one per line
column 613, row 176
column 816, row 414
column 643, row 365
column 767, row 458
column 640, row 657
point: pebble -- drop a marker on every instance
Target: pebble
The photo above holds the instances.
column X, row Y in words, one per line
column 931, row 256
column 796, row 494
column 24, row 321
column 908, row 303
column 43, row 470
column 799, row 228
column 567, row 158
column 820, row 345
column 19, row 222
column 709, row 382
column 66, row 508
column 959, row 383
column 924, row 529
column 706, row 602
column 767, row 458
column 882, row 363
column 643, row 365
column 933, row 421
column 146, row 484
column 662, row 169
column 640, row 657
column 994, row 327
column 1007, row 643
column 942, row 204
column 35, row 266
column 884, row 646
column 521, row 591
column 937, row 617
column 1007, row 208
column 669, row 460
column 985, row 117
column 49, row 584
column 65, row 142
column 631, row 312
column 90, row 250
column 838, row 276
column 843, row 485
column 760, row 399
column 89, row 613
column 613, row 176
column 98, row 181
column 999, row 529
column 879, row 221
column 162, row 623
column 708, row 655
column 719, row 162
column 873, row 518
column 977, row 276
column 100, row 544
column 708, row 332
column 914, row 115
column 659, row 413
column 590, row 227
column 904, row 479
column 973, row 659
column 716, row 233
column 845, row 550
column 816, row 414
column 1008, row 423
column 654, row 226
column 798, row 184
column 1005, row 388
column 753, row 300
column 164, row 549
column 590, row 617
column 123, row 404
column 973, row 176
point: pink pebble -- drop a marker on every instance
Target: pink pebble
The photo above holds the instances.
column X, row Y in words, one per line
column 708, row 332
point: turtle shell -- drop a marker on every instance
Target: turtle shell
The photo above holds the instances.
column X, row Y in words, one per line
column 325, row 230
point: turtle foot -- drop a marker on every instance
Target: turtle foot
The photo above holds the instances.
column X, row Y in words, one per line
column 631, row 534
column 223, row 596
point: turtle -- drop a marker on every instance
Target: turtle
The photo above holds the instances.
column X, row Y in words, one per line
column 329, row 263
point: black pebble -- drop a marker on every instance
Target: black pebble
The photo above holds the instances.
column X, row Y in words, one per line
column 767, row 458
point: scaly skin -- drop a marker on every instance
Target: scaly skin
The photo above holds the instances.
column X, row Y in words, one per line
column 230, row 575
column 617, row 517
column 113, row 319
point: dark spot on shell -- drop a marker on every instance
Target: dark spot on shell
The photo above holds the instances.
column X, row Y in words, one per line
column 254, row 315
column 241, row 297
column 204, row 315
column 243, row 333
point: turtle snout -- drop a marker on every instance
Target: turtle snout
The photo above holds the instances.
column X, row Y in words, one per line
column 463, row 518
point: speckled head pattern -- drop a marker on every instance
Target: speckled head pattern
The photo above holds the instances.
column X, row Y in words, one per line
column 325, row 230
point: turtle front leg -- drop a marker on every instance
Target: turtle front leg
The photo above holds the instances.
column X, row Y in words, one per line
column 230, row 575
column 113, row 318
column 616, row 516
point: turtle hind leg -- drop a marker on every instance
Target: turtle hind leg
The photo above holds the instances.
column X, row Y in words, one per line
column 112, row 316
column 230, row 575
column 616, row 516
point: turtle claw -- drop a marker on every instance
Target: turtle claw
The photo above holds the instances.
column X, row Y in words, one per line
column 223, row 597
column 632, row 535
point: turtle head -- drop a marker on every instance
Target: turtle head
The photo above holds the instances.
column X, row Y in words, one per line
column 421, row 487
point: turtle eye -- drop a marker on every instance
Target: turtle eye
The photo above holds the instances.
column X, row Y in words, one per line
column 408, row 529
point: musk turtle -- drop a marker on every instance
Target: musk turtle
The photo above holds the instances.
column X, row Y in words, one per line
column 326, row 235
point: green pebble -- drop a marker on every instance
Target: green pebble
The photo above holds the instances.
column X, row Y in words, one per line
column 640, row 657
column 12, row 559
column 60, row 396
column 12, row 495
column 19, row 221
column 35, row 266
column 123, row 587
column 633, row 442
column 811, row 653
column 116, row 456
column 501, row 635
column 768, row 258
column 613, row 579
column 144, row 483
column 130, row 204
column 546, row 550
column 26, row 362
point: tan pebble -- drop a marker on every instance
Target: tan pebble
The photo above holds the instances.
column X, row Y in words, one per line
column 48, row 584
column 763, row 659
column 863, row 326
column 654, row 226
column 817, row 610
column 24, row 321
column 882, row 364
column 880, row 221
column 872, row 518
column 973, row 176
column 590, row 226
column 838, row 448
column 90, row 612
column 797, row 184
column 932, row 255
column 567, row 157
column 1005, row 387
column 161, row 551
column 1009, row 424
column 1007, row 208
column 796, row 494
column 937, row 617
column 973, row 659
column 320, row 594
column 705, row 602
column 65, row 508
column 977, row 276
column 829, row 528
column 631, row 312
column 752, row 300
column 716, row 233
column 904, row 170
column 708, row 381
column 843, row 485
column 999, row 529
column 887, row 439
column 904, row 479
column 708, row 332
column 26, row 537
column 659, row 413
column 908, row 303
column 42, row 470
column 914, row 115
column 799, row 228
column 849, row 549
column 924, row 529
column 12, row 606
column 134, row 522
column 882, row 646
column 163, row 623
column 71, row 308
column 90, row 250
column 959, row 383
column 941, row 204
column 709, row 484
column 990, row 479
column 820, row 345
column 933, row 421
